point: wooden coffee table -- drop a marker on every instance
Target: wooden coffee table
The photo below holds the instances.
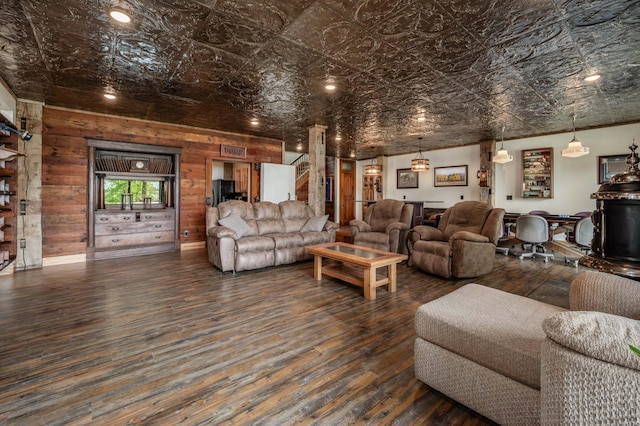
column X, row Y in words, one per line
column 349, row 256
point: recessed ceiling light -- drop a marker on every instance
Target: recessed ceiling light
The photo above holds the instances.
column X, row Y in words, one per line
column 421, row 118
column 254, row 121
column 338, row 138
column 299, row 146
column 330, row 86
column 120, row 16
column 592, row 77
column 109, row 96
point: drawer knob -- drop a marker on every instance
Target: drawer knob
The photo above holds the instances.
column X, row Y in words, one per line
column 127, row 217
column 158, row 237
column 115, row 240
column 115, row 228
column 104, row 219
column 158, row 226
column 148, row 217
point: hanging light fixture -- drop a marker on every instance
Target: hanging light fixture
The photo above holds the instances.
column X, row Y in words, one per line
column 420, row 164
column 373, row 169
column 575, row 148
column 502, row 156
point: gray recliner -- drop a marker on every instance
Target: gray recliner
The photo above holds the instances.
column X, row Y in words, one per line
column 385, row 226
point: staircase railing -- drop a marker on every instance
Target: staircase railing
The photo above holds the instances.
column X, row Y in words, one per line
column 302, row 165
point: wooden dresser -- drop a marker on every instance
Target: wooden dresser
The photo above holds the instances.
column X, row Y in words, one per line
column 134, row 228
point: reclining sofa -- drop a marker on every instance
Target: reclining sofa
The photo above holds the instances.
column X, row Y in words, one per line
column 518, row 361
column 243, row 236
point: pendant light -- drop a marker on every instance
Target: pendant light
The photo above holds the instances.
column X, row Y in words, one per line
column 420, row 164
column 373, row 169
column 575, row 148
column 502, row 156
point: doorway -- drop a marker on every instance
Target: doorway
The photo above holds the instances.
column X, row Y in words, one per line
column 347, row 191
column 228, row 180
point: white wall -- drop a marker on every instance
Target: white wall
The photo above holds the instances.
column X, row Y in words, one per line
column 574, row 179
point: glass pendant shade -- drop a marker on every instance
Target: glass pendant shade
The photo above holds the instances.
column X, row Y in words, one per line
column 575, row 148
column 502, row 156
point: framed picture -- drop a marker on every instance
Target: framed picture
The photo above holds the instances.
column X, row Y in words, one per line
column 450, row 176
column 609, row 165
column 406, row 178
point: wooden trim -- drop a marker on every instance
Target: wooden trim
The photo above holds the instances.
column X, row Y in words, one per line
column 132, row 147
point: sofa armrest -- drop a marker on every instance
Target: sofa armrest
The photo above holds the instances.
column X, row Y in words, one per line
column 221, row 232
column 588, row 373
column 396, row 226
column 468, row 236
column 330, row 226
column 359, row 226
column 599, row 291
column 427, row 233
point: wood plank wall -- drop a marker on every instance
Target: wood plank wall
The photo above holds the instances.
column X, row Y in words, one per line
column 65, row 180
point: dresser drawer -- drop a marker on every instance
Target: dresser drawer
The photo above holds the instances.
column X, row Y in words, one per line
column 119, row 217
column 114, row 228
column 162, row 215
column 123, row 240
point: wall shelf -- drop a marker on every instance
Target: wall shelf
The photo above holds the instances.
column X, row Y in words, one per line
column 537, row 173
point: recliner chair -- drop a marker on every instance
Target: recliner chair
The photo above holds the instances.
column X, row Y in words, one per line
column 385, row 226
column 464, row 243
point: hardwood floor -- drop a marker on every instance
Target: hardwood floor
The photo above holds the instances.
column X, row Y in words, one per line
column 168, row 339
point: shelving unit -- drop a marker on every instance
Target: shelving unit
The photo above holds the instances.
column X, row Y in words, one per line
column 8, row 179
column 537, row 173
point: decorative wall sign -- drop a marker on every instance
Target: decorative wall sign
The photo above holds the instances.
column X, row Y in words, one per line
column 233, row 151
column 406, row 178
column 450, row 176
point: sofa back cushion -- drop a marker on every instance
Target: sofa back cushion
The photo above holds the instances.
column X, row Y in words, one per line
column 243, row 209
column 268, row 218
column 382, row 213
column 465, row 216
column 295, row 214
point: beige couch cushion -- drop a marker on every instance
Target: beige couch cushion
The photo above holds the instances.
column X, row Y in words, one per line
column 498, row 330
column 295, row 214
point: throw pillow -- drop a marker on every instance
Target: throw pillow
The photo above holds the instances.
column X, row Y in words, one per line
column 315, row 224
column 236, row 224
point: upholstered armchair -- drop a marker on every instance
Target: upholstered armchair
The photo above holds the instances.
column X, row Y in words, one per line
column 464, row 243
column 384, row 227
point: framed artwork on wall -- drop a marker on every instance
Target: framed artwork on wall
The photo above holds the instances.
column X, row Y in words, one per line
column 450, row 176
column 406, row 178
column 609, row 165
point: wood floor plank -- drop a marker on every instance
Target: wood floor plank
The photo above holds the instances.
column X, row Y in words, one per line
column 169, row 339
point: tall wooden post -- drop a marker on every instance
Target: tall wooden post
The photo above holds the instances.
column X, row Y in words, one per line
column 317, row 154
column 486, row 155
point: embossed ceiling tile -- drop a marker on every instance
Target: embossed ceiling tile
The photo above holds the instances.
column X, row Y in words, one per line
column 273, row 15
column 206, row 65
column 181, row 18
column 321, row 29
column 454, row 51
column 281, row 60
column 395, row 65
column 81, row 17
column 95, row 102
column 535, row 44
column 585, row 13
column 372, row 12
column 232, row 34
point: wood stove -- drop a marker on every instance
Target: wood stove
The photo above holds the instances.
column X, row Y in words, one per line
column 616, row 238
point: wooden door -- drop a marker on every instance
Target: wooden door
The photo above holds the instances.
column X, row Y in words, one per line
column 347, row 191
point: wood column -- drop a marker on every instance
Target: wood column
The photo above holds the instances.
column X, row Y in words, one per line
column 317, row 154
column 29, row 226
column 487, row 148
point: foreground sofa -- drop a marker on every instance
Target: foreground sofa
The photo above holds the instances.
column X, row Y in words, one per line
column 518, row 361
column 243, row 236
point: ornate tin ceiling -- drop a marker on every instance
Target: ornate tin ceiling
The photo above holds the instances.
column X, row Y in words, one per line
column 468, row 66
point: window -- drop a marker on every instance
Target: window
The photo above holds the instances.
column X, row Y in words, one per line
column 139, row 190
